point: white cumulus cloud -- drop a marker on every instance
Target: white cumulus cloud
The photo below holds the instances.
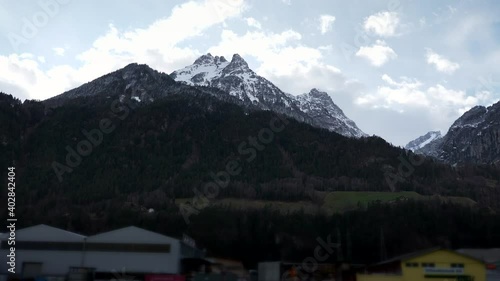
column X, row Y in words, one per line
column 326, row 23
column 444, row 105
column 382, row 23
column 377, row 54
column 441, row 63
column 156, row 45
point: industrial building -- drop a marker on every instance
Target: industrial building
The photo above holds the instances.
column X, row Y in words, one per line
column 432, row 264
column 56, row 254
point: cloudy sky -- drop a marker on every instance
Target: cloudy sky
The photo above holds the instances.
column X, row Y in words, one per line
column 398, row 68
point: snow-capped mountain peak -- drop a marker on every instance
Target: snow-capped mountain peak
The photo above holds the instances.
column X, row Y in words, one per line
column 237, row 66
column 202, row 71
column 238, row 80
column 422, row 141
column 234, row 77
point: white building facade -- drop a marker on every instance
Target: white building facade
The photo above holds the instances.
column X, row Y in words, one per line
column 51, row 252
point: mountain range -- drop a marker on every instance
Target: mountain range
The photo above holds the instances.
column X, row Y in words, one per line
column 231, row 81
column 205, row 110
column 473, row 138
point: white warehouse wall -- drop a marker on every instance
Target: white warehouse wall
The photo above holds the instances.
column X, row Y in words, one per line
column 134, row 261
column 54, row 262
column 58, row 262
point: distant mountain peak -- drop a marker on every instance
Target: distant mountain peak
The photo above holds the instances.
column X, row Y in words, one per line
column 424, row 140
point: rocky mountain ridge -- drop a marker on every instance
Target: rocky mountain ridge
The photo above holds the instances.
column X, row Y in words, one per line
column 236, row 78
column 472, row 138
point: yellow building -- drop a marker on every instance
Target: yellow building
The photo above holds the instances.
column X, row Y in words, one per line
column 428, row 265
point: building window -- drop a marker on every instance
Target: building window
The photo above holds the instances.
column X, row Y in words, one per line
column 411, row 264
column 457, row 265
column 428, row 264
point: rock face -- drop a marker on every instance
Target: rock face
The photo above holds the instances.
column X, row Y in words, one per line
column 236, row 78
column 473, row 138
column 326, row 114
